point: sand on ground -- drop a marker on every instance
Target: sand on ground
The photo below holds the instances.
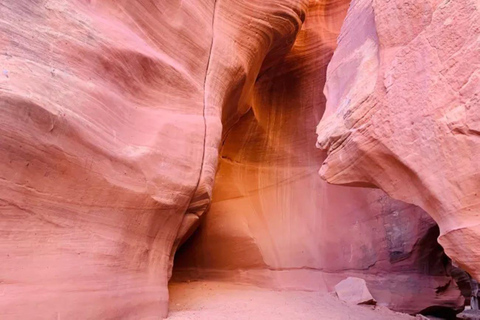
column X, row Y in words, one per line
column 205, row 300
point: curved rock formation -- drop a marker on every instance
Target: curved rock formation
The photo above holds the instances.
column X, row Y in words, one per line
column 110, row 121
column 403, row 94
column 111, row 117
column 94, row 179
column 273, row 222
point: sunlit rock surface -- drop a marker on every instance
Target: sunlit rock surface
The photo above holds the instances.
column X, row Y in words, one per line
column 274, row 222
column 113, row 118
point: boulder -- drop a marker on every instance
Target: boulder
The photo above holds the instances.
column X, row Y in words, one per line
column 354, row 290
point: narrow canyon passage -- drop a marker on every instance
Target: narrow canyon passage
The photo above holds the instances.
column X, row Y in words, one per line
column 273, row 223
column 273, row 148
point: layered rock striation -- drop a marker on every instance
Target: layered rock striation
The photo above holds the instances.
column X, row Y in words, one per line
column 102, row 145
column 110, row 122
column 402, row 99
column 273, row 222
column 116, row 115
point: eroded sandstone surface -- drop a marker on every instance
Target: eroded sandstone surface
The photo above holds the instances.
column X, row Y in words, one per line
column 403, row 94
column 113, row 118
column 102, row 141
column 273, row 222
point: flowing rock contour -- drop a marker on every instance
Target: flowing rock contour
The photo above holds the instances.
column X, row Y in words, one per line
column 112, row 114
column 403, row 98
column 102, row 141
column 275, row 223
column 110, row 122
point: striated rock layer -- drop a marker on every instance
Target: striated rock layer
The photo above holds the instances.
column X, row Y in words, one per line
column 273, row 222
column 403, row 94
column 102, row 140
column 111, row 118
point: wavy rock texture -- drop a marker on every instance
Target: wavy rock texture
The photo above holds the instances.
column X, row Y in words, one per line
column 111, row 118
column 102, row 140
column 403, row 94
column 273, row 222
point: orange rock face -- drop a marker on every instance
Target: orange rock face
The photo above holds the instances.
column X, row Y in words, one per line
column 102, row 140
column 403, row 93
column 113, row 115
column 273, row 222
column 111, row 118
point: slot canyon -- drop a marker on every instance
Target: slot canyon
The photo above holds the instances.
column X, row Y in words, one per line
column 238, row 159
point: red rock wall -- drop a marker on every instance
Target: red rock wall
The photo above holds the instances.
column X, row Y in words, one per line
column 111, row 118
column 274, row 223
column 101, row 145
column 403, row 95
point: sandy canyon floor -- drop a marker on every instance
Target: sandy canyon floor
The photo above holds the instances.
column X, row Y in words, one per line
column 203, row 300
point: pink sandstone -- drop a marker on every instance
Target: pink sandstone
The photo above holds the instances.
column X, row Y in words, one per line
column 273, row 222
column 95, row 178
column 403, row 94
column 354, row 290
column 111, row 117
column 114, row 116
